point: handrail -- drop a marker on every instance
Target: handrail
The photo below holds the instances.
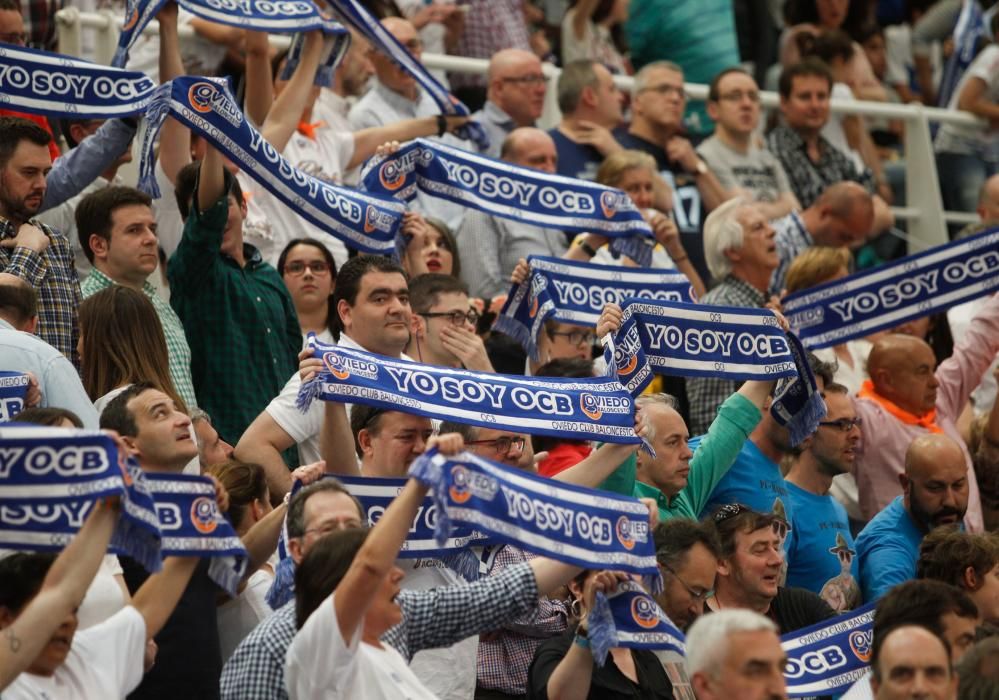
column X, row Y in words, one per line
column 924, row 211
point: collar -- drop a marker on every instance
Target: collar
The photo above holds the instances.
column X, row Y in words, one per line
column 347, row 342
column 497, row 116
column 643, row 490
column 745, row 287
column 399, row 102
column 928, row 420
column 4, row 325
column 794, row 139
column 103, row 281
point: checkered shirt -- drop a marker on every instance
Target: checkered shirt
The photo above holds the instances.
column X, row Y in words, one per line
column 792, row 239
column 808, row 179
column 53, row 275
column 431, row 619
column 490, row 26
column 173, row 331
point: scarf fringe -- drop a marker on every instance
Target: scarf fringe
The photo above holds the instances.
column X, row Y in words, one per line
column 282, row 589
column 307, row 393
column 635, row 247
column 601, row 630
column 520, row 333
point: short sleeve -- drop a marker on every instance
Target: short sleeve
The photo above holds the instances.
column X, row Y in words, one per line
column 319, row 660
column 301, row 427
column 986, row 66
column 117, row 646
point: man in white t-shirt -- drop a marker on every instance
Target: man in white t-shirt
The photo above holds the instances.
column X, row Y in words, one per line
column 373, row 314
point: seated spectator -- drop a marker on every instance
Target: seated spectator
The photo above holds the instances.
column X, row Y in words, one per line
column 657, row 104
column 563, row 667
column 909, row 395
column 228, row 298
column 934, row 493
column 590, row 103
column 122, row 343
column 907, row 652
column 490, row 246
column 118, row 235
column 743, row 166
column 988, row 208
column 212, row 449
column 968, row 561
column 444, row 324
column 968, row 155
column 588, row 33
column 309, row 272
column 820, row 553
column 810, row 161
column 32, row 251
column 430, row 247
column 515, row 96
column 749, row 568
column 687, row 552
column 22, row 351
column 735, row 653
column 741, row 253
column 841, row 216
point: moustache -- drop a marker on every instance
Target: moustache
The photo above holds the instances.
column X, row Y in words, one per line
column 946, row 512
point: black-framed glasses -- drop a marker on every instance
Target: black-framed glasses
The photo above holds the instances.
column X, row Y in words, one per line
column 456, row 318
column 844, row 424
column 694, row 593
column 576, row 337
column 502, row 444
column 665, row 90
column 298, row 267
column 531, row 80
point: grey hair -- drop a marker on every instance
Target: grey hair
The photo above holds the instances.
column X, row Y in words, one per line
column 575, row 77
column 642, row 76
column 200, row 414
column 708, row 639
column 722, row 232
column 660, row 399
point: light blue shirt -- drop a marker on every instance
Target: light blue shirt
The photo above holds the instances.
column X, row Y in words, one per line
column 820, row 550
column 887, row 549
column 497, row 124
column 73, row 172
column 57, row 378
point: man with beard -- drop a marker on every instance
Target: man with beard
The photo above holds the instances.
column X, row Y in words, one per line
column 934, row 493
column 39, row 255
column 820, row 554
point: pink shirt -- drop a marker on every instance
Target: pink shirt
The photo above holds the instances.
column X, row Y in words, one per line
column 882, row 450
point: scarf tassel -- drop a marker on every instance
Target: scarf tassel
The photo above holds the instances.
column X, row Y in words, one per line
column 635, row 247
column 520, row 333
column 282, row 589
column 601, row 630
column 307, row 393
column 428, row 471
column 139, row 542
column 806, row 420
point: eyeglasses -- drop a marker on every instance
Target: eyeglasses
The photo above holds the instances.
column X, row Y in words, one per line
column 576, row 337
column 502, row 445
column 739, row 96
column 16, row 38
column 695, row 594
column 298, row 267
column 530, row 80
column 665, row 90
column 844, row 424
column 456, row 318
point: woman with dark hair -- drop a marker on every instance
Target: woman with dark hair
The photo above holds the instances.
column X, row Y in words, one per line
column 309, row 272
column 121, row 343
column 590, row 31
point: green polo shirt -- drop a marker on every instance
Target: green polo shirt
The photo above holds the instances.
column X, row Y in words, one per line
column 736, row 419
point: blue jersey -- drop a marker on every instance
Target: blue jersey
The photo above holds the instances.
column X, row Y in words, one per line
column 577, row 160
column 820, row 551
column 888, row 548
column 753, row 480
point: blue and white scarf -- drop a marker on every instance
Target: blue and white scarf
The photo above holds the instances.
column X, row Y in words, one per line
column 513, row 192
column 355, row 15
column 828, row 657
column 583, row 527
column 630, row 617
column 49, row 480
column 206, row 106
column 892, row 294
column 271, row 16
column 192, row 525
column 575, row 292
column 578, row 409
column 717, row 341
column 972, row 25
column 13, row 388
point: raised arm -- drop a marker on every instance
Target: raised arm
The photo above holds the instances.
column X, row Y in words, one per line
column 62, row 591
column 175, row 138
column 259, row 82
column 286, row 112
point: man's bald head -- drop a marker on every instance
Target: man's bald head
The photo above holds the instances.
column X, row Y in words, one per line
column 517, row 85
column 935, row 482
column 913, row 663
column 18, row 303
column 842, row 215
column 902, row 369
column 531, row 148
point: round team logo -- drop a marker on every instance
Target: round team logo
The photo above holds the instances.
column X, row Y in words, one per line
column 391, row 176
column 643, row 611
column 623, row 531
column 588, row 404
column 200, row 96
column 132, row 20
column 608, row 203
column 459, row 491
column 861, row 642
column 203, row 515
column 335, row 366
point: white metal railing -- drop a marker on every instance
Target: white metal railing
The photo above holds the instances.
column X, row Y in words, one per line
column 924, row 214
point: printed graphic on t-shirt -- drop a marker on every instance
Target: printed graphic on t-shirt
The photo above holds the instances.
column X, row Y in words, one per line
column 841, row 591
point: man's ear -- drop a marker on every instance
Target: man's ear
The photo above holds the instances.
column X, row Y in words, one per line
column 31, row 325
column 99, row 246
column 7, row 617
column 724, row 568
column 904, row 482
column 970, row 579
column 295, row 550
column 130, row 444
column 343, row 310
column 364, row 441
column 712, row 110
column 733, row 254
column 418, row 326
column 77, row 132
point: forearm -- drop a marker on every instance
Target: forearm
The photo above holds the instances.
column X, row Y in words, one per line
column 262, row 444
column 756, row 391
column 286, row 112
column 261, row 540
column 211, row 179
column 366, row 141
column 601, row 463
column 688, row 270
column 711, row 190
column 571, row 678
column 336, row 441
column 259, row 86
column 82, row 165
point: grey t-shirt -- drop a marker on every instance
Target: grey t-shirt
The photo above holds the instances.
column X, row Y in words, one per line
column 758, row 171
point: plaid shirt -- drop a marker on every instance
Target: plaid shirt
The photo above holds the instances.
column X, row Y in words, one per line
column 490, row 26
column 808, row 179
column 40, row 22
column 793, row 239
column 53, row 276
column 505, row 657
column 706, row 394
column 173, row 331
column 240, row 323
column 431, row 619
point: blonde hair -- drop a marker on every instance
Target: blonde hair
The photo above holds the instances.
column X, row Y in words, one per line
column 814, row 266
column 614, row 167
